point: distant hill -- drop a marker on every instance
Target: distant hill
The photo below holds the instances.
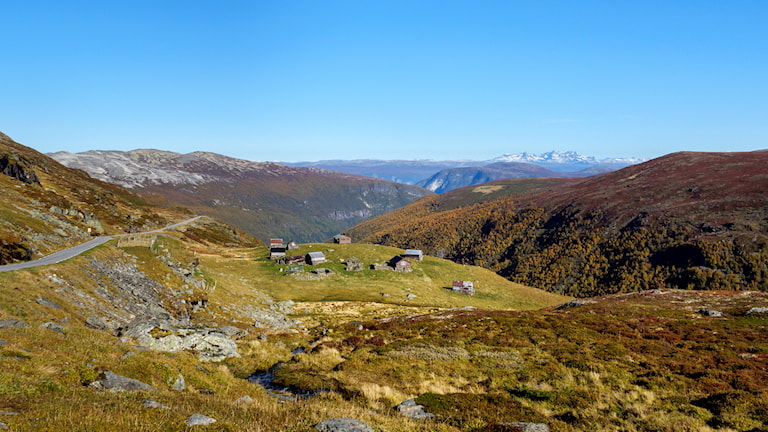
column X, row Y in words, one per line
column 686, row 220
column 47, row 206
column 454, row 178
column 400, row 171
column 263, row 198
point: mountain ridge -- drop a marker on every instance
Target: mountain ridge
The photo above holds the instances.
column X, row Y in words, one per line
column 266, row 199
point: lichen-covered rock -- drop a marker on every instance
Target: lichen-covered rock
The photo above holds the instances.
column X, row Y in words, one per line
column 410, row 408
column 12, row 323
column 199, row 420
column 343, row 424
column 117, row 383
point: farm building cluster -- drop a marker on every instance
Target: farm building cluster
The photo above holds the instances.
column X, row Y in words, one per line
column 279, row 253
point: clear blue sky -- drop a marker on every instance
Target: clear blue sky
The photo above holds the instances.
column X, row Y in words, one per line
column 298, row 80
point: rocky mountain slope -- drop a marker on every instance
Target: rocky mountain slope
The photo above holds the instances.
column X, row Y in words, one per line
column 686, row 220
column 47, row 206
column 454, row 178
column 265, row 199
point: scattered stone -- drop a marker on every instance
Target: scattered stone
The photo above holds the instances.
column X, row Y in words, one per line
column 12, row 323
column 575, row 303
column 748, row 356
column 711, row 313
column 343, row 424
column 203, row 370
column 410, row 296
column 285, row 306
column 180, row 384
column 10, row 413
column 151, row 403
column 757, row 310
column 231, row 331
column 273, row 320
column 117, row 383
column 410, row 408
column 199, row 420
column 45, row 302
column 3, row 426
column 2, row 342
column 353, row 264
column 126, row 355
column 244, row 400
column 53, row 326
column 518, row 427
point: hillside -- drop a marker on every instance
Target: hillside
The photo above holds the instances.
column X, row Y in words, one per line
column 265, row 199
column 454, row 178
column 686, row 220
column 47, row 206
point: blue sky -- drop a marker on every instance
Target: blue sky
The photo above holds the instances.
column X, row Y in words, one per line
column 295, row 80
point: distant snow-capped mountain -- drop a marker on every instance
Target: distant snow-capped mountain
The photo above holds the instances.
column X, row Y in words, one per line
column 565, row 158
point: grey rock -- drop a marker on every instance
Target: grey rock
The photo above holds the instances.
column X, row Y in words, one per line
column 9, row 413
column 126, row 355
column 3, row 426
column 244, row 400
column 343, row 424
column 711, row 313
column 2, row 342
column 231, row 331
column 53, row 326
column 151, row 403
column 209, row 344
column 45, row 302
column 285, row 306
column 118, row 383
column 199, row 420
column 757, row 310
column 180, row 384
column 410, row 408
column 525, row 427
column 12, row 323
column 575, row 303
column 272, row 320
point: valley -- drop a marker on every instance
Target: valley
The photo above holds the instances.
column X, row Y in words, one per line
column 577, row 322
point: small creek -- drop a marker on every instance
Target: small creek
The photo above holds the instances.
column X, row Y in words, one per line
column 266, row 379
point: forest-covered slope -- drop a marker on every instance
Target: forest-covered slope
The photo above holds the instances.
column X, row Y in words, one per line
column 686, row 220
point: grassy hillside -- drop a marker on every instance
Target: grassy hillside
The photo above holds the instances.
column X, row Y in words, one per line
column 654, row 361
column 80, row 316
column 429, row 282
column 687, row 220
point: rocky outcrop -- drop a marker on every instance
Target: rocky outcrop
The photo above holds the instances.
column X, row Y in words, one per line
column 208, row 343
column 14, row 166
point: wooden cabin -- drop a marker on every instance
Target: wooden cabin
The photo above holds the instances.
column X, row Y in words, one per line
column 400, row 264
column 342, row 239
column 315, row 258
column 276, row 252
column 463, row 287
column 414, row 254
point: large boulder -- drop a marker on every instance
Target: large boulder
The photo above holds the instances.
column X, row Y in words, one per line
column 118, row 383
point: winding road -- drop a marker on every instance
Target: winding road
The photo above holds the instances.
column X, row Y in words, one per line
column 74, row 251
